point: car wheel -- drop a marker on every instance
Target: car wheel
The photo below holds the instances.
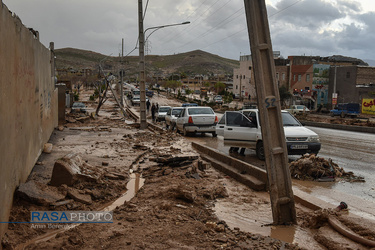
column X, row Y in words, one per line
column 342, row 115
column 332, row 114
column 260, row 151
column 315, row 152
column 214, row 134
column 185, row 132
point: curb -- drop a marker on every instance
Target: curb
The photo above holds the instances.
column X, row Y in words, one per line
column 340, row 127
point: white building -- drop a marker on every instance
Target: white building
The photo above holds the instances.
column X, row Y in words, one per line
column 243, row 80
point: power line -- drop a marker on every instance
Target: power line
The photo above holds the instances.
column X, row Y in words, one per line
column 213, row 28
column 190, row 27
column 242, row 30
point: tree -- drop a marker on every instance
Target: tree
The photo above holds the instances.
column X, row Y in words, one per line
column 219, row 86
column 284, row 95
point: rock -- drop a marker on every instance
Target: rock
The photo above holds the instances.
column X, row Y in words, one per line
column 61, row 128
column 105, row 163
column 111, row 176
column 61, row 203
column 75, row 195
column 39, row 193
column 47, row 148
column 67, row 170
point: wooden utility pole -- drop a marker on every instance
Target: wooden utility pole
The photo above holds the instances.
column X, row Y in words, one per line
column 280, row 184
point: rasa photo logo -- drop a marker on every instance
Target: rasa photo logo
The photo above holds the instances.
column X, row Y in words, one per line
column 71, row 217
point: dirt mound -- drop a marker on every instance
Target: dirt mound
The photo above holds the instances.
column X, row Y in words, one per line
column 311, row 167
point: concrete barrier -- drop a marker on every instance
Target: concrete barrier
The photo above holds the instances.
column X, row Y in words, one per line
column 243, row 172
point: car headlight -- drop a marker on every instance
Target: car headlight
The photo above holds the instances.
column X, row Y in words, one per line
column 314, row 138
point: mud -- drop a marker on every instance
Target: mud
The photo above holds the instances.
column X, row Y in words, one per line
column 311, row 167
column 170, row 203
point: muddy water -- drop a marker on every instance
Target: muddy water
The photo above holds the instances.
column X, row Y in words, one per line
column 135, row 183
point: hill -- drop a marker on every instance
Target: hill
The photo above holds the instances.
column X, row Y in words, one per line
column 191, row 63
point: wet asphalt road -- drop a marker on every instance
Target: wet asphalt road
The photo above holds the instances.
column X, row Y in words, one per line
column 353, row 151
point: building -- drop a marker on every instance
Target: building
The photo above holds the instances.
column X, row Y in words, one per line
column 243, row 79
column 353, row 83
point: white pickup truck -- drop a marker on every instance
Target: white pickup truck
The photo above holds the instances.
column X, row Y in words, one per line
column 242, row 129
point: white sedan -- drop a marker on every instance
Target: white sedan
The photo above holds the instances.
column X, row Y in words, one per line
column 197, row 120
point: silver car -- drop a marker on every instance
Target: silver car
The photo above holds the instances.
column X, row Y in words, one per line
column 162, row 112
column 197, row 120
column 171, row 117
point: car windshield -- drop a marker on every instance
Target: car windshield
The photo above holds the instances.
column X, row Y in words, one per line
column 289, row 120
column 300, row 107
column 176, row 111
column 164, row 109
column 78, row 105
column 200, row 111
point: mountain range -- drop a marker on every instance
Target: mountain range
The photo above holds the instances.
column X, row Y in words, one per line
column 191, row 63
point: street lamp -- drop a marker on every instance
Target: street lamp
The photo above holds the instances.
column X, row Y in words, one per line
column 162, row 26
column 142, row 75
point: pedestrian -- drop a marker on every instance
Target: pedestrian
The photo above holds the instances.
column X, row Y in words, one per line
column 148, row 105
column 153, row 110
column 157, row 106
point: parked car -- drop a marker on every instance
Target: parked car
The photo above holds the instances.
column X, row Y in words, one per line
column 189, row 105
column 346, row 109
column 218, row 99
column 136, row 100
column 296, row 109
column 242, row 129
column 197, row 120
column 161, row 113
column 171, row 117
column 78, row 107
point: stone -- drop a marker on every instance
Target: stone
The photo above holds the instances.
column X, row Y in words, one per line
column 67, row 170
column 75, row 195
column 39, row 193
column 47, row 148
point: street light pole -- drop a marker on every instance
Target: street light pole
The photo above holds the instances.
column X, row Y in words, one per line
column 143, row 121
column 142, row 71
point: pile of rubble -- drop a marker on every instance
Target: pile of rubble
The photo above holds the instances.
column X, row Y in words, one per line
column 311, row 167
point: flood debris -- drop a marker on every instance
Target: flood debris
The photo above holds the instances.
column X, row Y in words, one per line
column 70, row 169
column 175, row 160
column 39, row 193
column 311, row 167
column 80, row 197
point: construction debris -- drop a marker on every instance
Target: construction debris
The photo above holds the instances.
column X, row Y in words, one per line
column 311, row 167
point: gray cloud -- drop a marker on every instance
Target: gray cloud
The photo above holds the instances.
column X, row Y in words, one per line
column 219, row 27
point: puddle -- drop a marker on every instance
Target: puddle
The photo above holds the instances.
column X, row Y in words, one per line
column 135, row 183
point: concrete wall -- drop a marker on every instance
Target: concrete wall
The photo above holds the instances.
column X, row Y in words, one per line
column 28, row 105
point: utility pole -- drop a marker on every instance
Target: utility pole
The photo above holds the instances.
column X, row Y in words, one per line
column 122, row 74
column 143, row 121
column 279, row 179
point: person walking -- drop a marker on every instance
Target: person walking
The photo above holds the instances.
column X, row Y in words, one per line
column 148, row 105
column 153, row 110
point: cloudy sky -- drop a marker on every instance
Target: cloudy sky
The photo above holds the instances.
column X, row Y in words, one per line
column 298, row 27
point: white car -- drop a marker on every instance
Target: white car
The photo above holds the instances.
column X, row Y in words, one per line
column 218, row 99
column 296, row 109
column 242, row 129
column 197, row 120
column 162, row 112
column 136, row 100
column 171, row 117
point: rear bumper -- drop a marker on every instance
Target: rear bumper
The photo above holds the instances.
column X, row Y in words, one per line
column 301, row 148
column 200, row 128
